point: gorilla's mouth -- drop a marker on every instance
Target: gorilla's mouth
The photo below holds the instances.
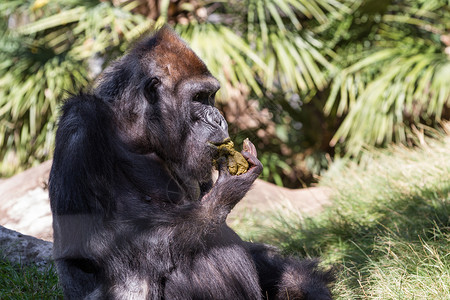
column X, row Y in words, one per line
column 218, row 144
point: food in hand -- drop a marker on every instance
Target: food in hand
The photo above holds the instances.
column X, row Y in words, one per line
column 236, row 163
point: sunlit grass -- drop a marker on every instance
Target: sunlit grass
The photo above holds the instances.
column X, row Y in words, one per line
column 388, row 231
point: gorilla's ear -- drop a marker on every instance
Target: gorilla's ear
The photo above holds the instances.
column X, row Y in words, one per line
column 149, row 89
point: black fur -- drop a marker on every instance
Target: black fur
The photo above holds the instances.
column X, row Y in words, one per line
column 136, row 214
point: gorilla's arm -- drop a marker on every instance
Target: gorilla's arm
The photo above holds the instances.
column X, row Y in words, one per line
column 78, row 185
column 287, row 277
column 190, row 223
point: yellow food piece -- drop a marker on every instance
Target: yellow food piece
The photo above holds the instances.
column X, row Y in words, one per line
column 237, row 164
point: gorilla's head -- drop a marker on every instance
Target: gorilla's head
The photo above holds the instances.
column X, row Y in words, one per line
column 163, row 97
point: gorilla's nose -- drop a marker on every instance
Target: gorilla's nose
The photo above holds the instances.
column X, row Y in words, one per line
column 219, row 130
column 217, row 120
column 220, row 121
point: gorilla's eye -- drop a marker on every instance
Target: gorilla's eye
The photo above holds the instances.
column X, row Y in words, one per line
column 150, row 89
column 203, row 97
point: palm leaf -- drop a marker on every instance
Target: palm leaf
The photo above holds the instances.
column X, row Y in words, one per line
column 43, row 59
column 395, row 83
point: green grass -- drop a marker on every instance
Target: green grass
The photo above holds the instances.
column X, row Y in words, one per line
column 27, row 282
column 388, row 231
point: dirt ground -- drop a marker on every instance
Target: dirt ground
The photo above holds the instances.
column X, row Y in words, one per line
column 24, row 203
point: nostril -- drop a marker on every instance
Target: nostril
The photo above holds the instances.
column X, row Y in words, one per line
column 222, row 123
column 216, row 119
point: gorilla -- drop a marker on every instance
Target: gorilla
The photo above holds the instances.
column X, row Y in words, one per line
column 136, row 214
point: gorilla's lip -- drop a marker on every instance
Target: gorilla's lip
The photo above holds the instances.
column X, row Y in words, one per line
column 216, row 144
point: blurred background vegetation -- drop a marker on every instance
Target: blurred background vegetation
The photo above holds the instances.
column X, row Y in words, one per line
column 306, row 80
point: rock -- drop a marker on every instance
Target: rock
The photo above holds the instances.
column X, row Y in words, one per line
column 24, row 202
column 24, row 249
column 25, row 181
column 29, row 214
column 265, row 197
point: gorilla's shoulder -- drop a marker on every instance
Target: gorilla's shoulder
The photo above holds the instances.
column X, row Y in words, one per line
column 85, row 110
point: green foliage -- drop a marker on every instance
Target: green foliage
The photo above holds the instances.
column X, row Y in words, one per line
column 382, row 66
column 396, row 77
column 27, row 282
column 49, row 48
column 268, row 51
column 336, row 76
column 226, row 57
column 272, row 164
column 387, row 232
column 45, row 57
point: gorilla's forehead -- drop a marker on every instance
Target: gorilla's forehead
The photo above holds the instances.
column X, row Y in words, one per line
column 168, row 56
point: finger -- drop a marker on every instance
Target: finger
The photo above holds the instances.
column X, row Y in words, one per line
column 249, row 147
column 252, row 160
column 222, row 166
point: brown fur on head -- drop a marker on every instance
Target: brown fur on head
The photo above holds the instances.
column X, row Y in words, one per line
column 168, row 50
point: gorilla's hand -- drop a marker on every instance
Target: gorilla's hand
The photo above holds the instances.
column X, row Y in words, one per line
column 230, row 189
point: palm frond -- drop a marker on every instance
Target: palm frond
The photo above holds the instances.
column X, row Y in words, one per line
column 43, row 59
column 296, row 63
column 400, row 82
column 229, row 57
